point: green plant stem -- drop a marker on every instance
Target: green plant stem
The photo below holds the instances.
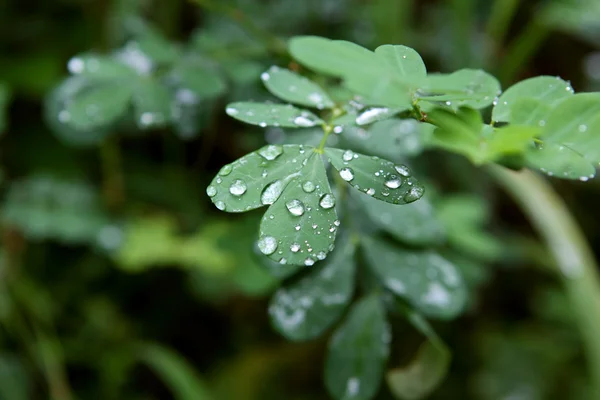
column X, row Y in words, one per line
column 576, row 264
column 501, row 15
column 272, row 42
column 522, row 50
column 112, row 174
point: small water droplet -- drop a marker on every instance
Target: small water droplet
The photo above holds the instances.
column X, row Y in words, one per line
column 271, row 192
column 370, row 192
column 393, row 183
column 321, row 255
column 304, row 121
column 220, row 205
column 238, row 187
column 64, row 116
column 415, row 193
column 308, row 187
column 226, row 170
column 371, row 115
column 582, row 128
column 327, row 201
column 262, row 124
column 76, row 65
column 309, row 261
column 542, row 122
column 336, row 222
column 297, row 227
column 448, row 103
column 316, row 98
column 295, row 247
column 283, row 261
column 348, row 155
column 211, row 191
column 338, row 129
column 232, row 111
column 265, row 76
column 295, row 207
column 271, row 152
column 347, row 174
column 402, row 170
column 267, row 245
column 147, row 119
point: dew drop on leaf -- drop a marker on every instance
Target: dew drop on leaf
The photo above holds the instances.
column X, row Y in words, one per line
column 211, row 191
column 402, row 170
column 309, row 261
column 267, row 245
column 370, row 191
column 327, row 201
column 220, row 205
column 271, row 152
column 231, row 111
column 304, row 121
column 348, row 155
column 321, row 255
column 371, row 115
column 414, row 194
column 347, row 174
column 393, row 183
column 295, row 247
column 238, row 187
column 295, row 207
column 308, row 187
column 271, row 192
column 226, row 170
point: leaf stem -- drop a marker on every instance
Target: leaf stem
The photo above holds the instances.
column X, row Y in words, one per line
column 272, row 42
column 576, row 264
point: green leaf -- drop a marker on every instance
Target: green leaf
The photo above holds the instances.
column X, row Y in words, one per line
column 546, row 89
column 375, row 114
column 4, row 101
column 99, row 67
column 333, row 57
column 177, row 373
column 305, row 308
column 58, row 117
column 15, row 379
column 294, row 88
column 152, row 104
column 264, row 114
column 379, row 178
column 508, row 140
column 414, row 223
column 528, row 111
column 429, row 282
column 391, row 139
column 258, row 178
column 358, row 352
column 202, row 80
column 426, row 371
column 560, row 161
column 575, row 123
column 99, row 106
column 381, row 88
column 405, row 62
column 301, row 225
column 154, row 45
column 466, row 87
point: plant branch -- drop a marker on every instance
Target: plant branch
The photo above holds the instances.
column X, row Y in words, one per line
column 272, row 42
column 576, row 264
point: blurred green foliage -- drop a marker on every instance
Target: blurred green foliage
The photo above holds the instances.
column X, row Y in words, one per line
column 119, row 280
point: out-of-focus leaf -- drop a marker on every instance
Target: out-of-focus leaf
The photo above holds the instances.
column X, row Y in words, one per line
column 96, row 67
column 464, row 88
column 429, row 282
column 560, row 161
column 14, row 379
column 176, row 372
column 202, row 80
column 152, row 104
column 376, row 177
column 358, row 352
column 4, row 100
column 264, row 114
column 305, row 308
column 289, row 86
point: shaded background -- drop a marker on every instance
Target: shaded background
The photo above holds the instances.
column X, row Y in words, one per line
column 119, row 279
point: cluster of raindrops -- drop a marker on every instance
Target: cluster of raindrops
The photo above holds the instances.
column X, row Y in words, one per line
column 275, row 115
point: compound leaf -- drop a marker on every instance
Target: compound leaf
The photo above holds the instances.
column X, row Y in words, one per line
column 152, row 104
column 99, row 106
column 304, row 309
column 358, row 352
column 289, row 86
column 376, row 177
column 405, row 62
column 428, row 281
column 99, row 67
column 264, row 114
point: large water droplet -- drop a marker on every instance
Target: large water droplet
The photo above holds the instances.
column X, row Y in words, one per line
column 371, row 115
column 348, row 155
column 308, row 187
column 271, row 152
column 347, row 174
column 327, row 201
column 211, row 191
column 295, row 207
column 305, row 121
column 271, row 192
column 220, row 205
column 238, row 187
column 402, row 170
column 414, row 194
column 393, row 183
column 226, row 170
column 267, row 245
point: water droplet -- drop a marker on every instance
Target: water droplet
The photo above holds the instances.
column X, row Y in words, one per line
column 304, row 121
column 448, row 103
column 327, row 201
column 321, row 255
column 393, row 183
column 211, row 191
column 316, row 98
column 146, row 119
column 352, row 387
column 336, row 222
column 309, row 261
column 271, row 192
column 265, row 76
column 283, row 261
column 226, row 170
column 232, row 111
column 262, row 124
column 338, row 129
column 76, row 65
column 308, row 187
column 348, row 155
column 220, row 205
column 347, row 174
column 414, row 194
column 402, row 170
column 271, row 152
column 582, row 128
column 295, row 247
column 238, row 187
column 542, row 122
column 64, row 116
column 371, row 115
column 370, row 192
column 295, row 207
column 267, row 245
